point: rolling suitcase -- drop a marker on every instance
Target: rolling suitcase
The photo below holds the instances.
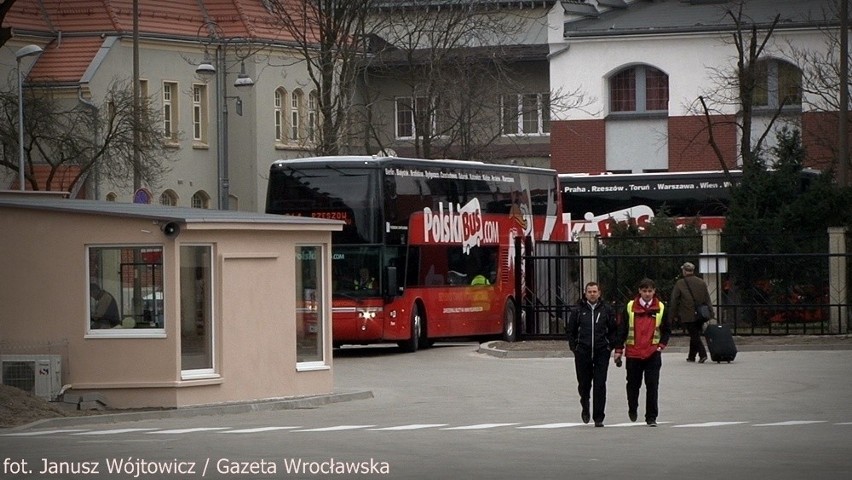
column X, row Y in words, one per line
column 720, row 343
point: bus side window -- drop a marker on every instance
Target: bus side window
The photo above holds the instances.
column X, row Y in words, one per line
column 492, row 264
column 412, row 268
column 458, row 264
column 482, row 265
column 457, row 277
column 432, row 277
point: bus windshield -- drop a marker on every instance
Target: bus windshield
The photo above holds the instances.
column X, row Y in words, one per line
column 350, row 195
column 355, row 271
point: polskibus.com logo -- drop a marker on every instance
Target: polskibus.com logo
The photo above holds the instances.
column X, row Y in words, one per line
column 459, row 224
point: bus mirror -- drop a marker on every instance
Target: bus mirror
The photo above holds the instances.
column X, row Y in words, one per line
column 391, row 284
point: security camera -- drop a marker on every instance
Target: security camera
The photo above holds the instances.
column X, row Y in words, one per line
column 171, row 229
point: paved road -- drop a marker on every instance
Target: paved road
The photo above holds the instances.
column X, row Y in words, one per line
column 449, row 412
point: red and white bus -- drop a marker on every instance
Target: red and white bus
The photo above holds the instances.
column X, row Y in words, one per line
column 593, row 202
column 427, row 249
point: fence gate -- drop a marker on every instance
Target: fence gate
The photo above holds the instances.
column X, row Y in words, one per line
column 547, row 285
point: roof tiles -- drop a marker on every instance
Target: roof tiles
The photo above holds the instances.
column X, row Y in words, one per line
column 63, row 177
column 79, row 16
column 77, row 27
column 182, row 18
column 66, row 60
column 680, row 16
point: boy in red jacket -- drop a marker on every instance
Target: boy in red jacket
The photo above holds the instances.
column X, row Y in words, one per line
column 644, row 331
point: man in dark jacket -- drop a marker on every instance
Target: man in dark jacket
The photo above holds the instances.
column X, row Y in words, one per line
column 689, row 292
column 592, row 332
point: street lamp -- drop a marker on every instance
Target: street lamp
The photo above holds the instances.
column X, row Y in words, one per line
column 25, row 51
column 220, row 68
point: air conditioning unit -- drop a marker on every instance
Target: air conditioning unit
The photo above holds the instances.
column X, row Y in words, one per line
column 40, row 375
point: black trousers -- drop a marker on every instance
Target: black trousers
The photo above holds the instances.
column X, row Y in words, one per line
column 591, row 373
column 696, row 346
column 650, row 370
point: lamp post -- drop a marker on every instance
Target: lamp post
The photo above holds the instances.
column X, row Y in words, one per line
column 220, row 68
column 26, row 51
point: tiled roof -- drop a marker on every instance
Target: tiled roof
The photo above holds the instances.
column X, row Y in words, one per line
column 76, row 29
column 65, row 61
column 60, row 182
column 78, row 16
column 419, row 4
column 178, row 18
column 683, row 16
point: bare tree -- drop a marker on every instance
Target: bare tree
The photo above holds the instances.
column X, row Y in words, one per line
column 444, row 61
column 328, row 37
column 450, row 66
column 823, row 76
column 83, row 139
column 739, row 87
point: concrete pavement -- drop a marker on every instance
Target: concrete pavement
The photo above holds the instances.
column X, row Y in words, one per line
column 517, row 350
column 450, row 412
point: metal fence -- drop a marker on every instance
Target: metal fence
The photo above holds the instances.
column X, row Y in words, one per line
column 756, row 294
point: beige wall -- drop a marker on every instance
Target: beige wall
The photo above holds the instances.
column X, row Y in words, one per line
column 45, row 305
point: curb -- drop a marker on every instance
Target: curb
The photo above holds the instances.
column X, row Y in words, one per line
column 202, row 410
column 489, row 349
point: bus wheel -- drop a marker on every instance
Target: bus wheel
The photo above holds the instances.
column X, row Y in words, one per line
column 509, row 334
column 413, row 343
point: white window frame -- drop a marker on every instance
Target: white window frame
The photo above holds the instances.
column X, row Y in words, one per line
column 411, row 113
column 123, row 332
column 170, row 111
column 199, row 113
column 278, row 100
column 324, row 318
column 312, row 116
column 515, row 102
column 295, row 115
column 640, row 91
column 773, row 81
column 213, row 370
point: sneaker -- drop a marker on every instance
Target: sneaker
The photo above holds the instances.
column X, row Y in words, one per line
column 651, row 423
column 598, row 424
column 702, row 359
column 632, row 415
column 690, row 360
column 585, row 416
